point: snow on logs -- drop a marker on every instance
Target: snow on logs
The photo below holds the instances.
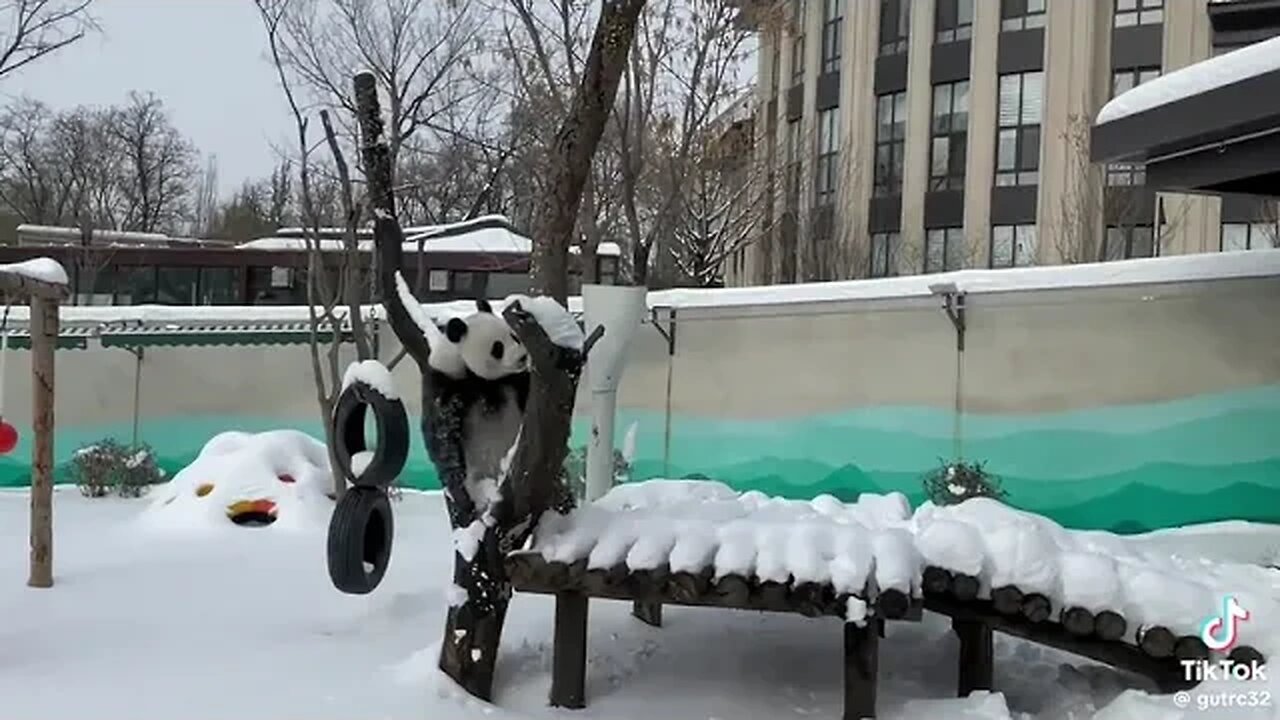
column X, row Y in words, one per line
column 701, row 543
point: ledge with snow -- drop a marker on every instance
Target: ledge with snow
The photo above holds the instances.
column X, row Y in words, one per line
column 1210, row 127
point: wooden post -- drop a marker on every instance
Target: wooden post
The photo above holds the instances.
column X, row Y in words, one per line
column 569, row 651
column 861, row 662
column 649, row 613
column 977, row 656
column 44, row 337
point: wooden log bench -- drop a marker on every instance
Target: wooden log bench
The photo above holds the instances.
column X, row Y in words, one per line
column 575, row 585
column 1157, row 653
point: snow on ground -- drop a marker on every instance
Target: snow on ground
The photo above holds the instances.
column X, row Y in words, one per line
column 244, row 624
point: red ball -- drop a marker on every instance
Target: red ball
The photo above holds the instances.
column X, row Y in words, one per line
column 8, row 438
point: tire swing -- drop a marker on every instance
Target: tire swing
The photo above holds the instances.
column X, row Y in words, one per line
column 362, row 527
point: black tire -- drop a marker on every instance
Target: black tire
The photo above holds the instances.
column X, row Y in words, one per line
column 392, row 451
column 360, row 534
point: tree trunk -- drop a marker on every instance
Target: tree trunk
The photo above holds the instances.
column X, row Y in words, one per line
column 575, row 145
column 44, row 336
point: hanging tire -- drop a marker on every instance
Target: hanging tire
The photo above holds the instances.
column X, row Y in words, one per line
column 392, row 421
column 360, row 534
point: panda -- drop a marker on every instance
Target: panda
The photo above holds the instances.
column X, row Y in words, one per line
column 475, row 398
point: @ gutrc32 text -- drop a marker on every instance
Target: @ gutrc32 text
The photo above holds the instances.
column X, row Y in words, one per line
column 1223, row 699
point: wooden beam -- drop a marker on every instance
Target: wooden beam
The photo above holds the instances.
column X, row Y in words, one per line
column 569, row 651
column 977, row 656
column 861, row 666
column 14, row 284
column 44, row 337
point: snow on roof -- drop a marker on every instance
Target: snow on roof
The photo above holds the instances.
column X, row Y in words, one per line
column 1145, row 271
column 1249, row 61
column 42, row 268
column 488, row 241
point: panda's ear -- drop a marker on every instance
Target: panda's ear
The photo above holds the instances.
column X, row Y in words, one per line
column 455, row 329
column 483, row 306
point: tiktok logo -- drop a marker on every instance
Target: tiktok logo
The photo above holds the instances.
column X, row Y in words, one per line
column 1221, row 632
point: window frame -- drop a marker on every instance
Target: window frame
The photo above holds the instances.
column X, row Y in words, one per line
column 887, row 245
column 945, row 127
column 832, row 35
column 897, row 43
column 950, row 26
column 826, row 179
column 1018, row 15
column 1016, row 231
column 896, row 143
column 952, row 237
column 799, row 60
column 1137, row 13
column 1020, row 174
column 1127, row 233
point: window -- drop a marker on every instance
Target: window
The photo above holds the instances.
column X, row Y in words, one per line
column 832, row 20
column 1013, row 246
column 1139, row 12
column 219, row 286
column 949, row 130
column 953, row 20
column 891, row 132
column 794, row 163
column 1123, row 81
column 800, row 8
column 828, row 153
column 138, row 285
column 437, row 281
column 1123, row 243
column 1021, row 14
column 895, row 23
column 943, row 249
column 464, row 283
column 1250, row 236
column 884, row 253
column 1018, row 137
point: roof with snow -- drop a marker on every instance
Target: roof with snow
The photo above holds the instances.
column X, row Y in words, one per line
column 490, row 235
column 1210, row 127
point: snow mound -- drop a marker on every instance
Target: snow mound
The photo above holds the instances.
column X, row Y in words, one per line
column 371, row 373
column 693, row 526
column 559, row 324
column 282, row 474
column 42, row 268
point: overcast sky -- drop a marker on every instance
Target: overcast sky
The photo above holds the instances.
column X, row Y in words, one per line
column 206, row 59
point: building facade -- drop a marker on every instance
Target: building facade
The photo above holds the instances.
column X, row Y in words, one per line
column 910, row 136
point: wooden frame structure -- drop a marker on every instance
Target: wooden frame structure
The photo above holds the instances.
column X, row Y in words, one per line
column 44, row 298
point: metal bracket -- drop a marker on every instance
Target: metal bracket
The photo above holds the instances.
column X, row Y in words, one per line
column 668, row 335
column 953, row 305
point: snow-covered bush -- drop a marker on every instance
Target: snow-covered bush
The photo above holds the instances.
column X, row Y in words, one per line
column 107, row 467
column 956, row 482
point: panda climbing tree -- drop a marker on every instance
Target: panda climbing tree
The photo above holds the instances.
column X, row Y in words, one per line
column 485, row 370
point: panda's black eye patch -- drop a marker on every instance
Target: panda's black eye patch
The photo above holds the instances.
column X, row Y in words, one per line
column 497, row 350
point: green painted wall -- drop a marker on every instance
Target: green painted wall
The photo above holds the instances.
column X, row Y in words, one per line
column 1127, row 469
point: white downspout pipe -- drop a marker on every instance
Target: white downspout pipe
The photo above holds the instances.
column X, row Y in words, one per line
column 619, row 308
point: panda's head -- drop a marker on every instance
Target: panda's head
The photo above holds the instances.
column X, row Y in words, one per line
column 486, row 345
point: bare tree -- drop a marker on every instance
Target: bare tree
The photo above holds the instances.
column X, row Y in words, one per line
column 684, row 72
column 31, row 29
column 533, row 482
column 205, row 208
column 328, row 287
column 158, row 164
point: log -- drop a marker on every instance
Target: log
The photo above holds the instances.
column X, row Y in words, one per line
column 648, row 583
column 1078, row 621
column 649, row 613
column 687, row 587
column 733, row 591
column 1036, row 607
column 807, row 599
column 1157, row 641
column 1190, row 647
column 772, row 594
column 964, row 587
column 977, row 658
column 556, row 574
column 1110, row 625
column 936, row 580
column 1007, row 600
column 893, row 604
column 596, row 581
column 1245, row 655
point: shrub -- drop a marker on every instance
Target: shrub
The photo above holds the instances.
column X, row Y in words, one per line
column 954, row 483
column 574, row 471
column 107, row 467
